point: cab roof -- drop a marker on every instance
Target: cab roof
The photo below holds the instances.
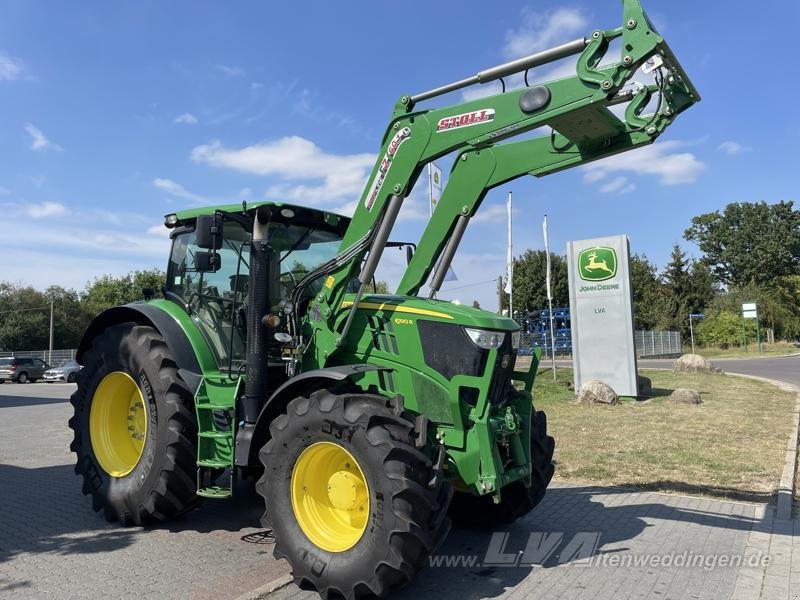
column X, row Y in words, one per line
column 331, row 218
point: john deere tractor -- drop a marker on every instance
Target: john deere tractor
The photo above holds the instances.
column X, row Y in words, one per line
column 369, row 420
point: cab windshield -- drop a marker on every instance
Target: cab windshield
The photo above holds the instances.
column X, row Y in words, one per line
column 217, row 301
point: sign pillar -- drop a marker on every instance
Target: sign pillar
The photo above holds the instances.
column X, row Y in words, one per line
column 601, row 311
column 750, row 311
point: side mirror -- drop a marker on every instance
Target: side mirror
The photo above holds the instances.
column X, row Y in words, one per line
column 208, row 231
column 409, row 254
column 207, row 262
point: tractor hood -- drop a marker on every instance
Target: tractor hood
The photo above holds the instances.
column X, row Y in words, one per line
column 413, row 307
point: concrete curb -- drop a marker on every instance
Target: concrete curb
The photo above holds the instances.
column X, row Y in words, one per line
column 265, row 590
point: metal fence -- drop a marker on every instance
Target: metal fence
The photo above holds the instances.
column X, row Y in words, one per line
column 59, row 356
column 651, row 344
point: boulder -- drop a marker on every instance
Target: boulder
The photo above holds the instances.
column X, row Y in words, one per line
column 645, row 386
column 693, row 363
column 595, row 391
column 685, row 396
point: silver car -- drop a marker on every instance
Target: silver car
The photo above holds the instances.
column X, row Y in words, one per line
column 67, row 372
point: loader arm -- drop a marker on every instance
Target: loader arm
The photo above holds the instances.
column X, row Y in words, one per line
column 480, row 170
column 576, row 107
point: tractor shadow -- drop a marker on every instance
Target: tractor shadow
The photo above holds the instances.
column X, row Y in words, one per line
column 569, row 511
column 44, row 512
column 13, row 401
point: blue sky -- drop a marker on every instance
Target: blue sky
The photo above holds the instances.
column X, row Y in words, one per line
column 113, row 114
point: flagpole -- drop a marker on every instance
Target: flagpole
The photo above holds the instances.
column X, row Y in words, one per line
column 549, row 297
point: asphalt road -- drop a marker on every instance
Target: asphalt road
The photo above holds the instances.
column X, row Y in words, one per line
column 782, row 368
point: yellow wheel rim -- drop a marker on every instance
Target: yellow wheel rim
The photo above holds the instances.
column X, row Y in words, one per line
column 330, row 497
column 118, row 424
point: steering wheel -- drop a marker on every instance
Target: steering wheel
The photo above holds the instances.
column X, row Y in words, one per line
column 199, row 300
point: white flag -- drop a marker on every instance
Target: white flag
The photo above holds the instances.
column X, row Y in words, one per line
column 434, row 184
column 510, row 257
column 547, row 258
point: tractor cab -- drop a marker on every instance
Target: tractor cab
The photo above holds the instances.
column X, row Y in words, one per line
column 215, row 292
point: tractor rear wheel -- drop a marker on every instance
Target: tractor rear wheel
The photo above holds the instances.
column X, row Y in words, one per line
column 134, row 428
column 516, row 500
column 348, row 495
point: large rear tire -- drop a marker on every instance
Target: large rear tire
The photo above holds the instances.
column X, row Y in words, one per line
column 347, row 495
column 480, row 512
column 134, row 428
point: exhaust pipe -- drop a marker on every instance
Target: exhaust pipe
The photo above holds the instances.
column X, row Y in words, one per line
column 257, row 333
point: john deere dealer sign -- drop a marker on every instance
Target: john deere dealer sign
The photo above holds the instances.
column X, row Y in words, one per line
column 601, row 313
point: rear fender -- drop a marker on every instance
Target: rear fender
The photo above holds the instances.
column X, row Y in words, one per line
column 148, row 314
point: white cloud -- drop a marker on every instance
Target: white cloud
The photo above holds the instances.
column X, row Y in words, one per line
column 593, row 176
column 539, row 31
column 39, row 141
column 493, row 213
column 158, row 231
column 11, row 68
column 658, row 159
column 186, row 118
column 43, row 210
column 618, row 184
column 230, row 71
column 294, row 159
column 176, row 189
column 732, row 148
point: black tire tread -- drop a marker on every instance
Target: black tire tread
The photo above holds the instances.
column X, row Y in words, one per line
column 174, row 491
column 423, row 528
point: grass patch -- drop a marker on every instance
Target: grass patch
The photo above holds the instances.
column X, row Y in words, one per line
column 776, row 349
column 730, row 445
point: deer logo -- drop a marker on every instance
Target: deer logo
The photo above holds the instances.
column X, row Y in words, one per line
column 597, row 264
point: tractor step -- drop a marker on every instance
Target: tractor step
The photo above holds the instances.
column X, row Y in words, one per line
column 215, row 492
column 215, row 404
column 214, row 435
column 213, row 464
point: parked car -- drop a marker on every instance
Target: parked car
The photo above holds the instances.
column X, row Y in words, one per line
column 67, row 372
column 22, row 370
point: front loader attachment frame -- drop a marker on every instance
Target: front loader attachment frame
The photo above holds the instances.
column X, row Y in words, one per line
column 577, row 109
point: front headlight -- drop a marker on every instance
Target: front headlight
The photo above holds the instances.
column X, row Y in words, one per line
column 485, row 339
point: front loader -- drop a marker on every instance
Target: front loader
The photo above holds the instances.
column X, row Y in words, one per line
column 369, row 420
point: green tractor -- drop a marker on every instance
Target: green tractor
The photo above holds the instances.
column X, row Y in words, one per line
column 369, row 420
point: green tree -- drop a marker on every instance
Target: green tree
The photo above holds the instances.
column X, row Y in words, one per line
column 648, row 293
column 749, row 242
column 24, row 318
column 70, row 317
column 380, row 287
column 689, row 288
column 725, row 329
column 107, row 291
column 528, row 283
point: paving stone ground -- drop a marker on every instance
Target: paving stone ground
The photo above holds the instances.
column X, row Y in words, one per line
column 53, row 546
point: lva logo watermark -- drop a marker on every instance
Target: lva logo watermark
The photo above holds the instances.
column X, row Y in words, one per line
column 582, row 549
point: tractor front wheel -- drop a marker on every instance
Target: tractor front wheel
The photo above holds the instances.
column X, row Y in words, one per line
column 516, row 500
column 134, row 429
column 348, row 495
